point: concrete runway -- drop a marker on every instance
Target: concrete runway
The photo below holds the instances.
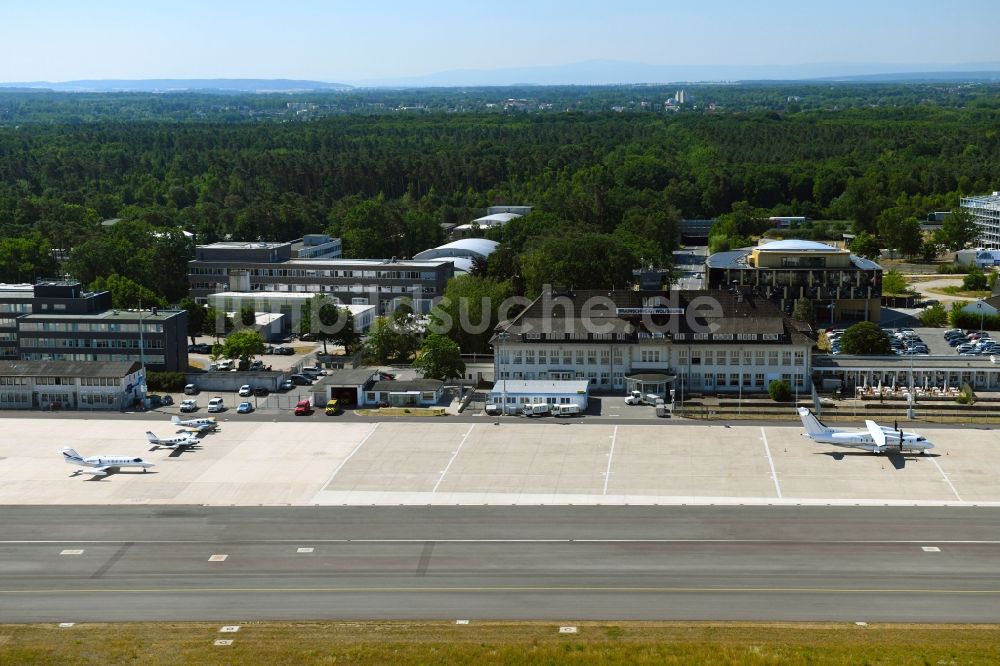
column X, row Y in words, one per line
column 688, row 563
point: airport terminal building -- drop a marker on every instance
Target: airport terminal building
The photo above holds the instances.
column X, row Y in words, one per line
column 617, row 341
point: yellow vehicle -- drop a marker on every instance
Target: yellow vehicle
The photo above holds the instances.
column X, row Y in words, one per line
column 332, row 407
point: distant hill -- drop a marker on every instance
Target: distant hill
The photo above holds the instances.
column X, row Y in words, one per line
column 605, row 72
column 180, row 85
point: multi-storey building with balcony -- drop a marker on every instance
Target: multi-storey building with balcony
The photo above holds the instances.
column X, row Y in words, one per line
column 689, row 341
column 986, row 211
column 842, row 287
column 270, row 267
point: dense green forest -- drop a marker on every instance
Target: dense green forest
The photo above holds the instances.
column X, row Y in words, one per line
column 603, row 183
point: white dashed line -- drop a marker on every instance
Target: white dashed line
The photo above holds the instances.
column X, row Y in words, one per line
column 770, row 461
column 453, row 456
column 218, row 558
column 72, row 551
column 304, row 550
column 930, row 549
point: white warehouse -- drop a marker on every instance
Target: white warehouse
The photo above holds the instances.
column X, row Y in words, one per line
column 462, row 252
column 513, row 394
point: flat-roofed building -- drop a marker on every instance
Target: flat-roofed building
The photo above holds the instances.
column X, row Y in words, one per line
column 842, row 287
column 986, row 211
column 270, row 268
column 58, row 320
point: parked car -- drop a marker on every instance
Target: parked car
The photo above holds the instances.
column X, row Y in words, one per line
column 286, row 385
column 154, row 400
column 260, row 391
column 189, row 406
column 300, row 380
column 166, row 400
column 284, row 351
column 307, row 337
column 190, row 389
column 269, row 349
column 225, row 365
column 314, row 370
column 257, row 365
column 332, row 407
column 303, row 408
column 216, row 404
column 245, row 391
column 244, row 408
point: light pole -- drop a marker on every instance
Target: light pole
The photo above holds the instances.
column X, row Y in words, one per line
column 832, row 306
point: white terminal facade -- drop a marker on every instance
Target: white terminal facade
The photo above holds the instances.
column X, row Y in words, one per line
column 718, row 341
column 986, row 211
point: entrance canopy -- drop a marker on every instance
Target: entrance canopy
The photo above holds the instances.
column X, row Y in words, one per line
column 656, row 382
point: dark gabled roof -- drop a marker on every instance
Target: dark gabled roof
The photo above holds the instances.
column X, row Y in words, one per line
column 395, row 386
column 717, row 312
column 68, row 368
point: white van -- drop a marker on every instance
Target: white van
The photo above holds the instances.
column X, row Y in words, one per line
column 566, row 410
column 225, row 365
column 216, row 405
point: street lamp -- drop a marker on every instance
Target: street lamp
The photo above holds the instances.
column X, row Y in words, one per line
column 832, row 306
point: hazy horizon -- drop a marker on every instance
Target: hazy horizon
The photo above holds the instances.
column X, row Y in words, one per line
column 342, row 42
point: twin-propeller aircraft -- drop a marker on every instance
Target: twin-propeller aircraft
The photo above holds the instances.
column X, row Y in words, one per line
column 877, row 439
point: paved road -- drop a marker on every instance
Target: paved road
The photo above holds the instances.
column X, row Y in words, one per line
column 647, row 418
column 727, row 563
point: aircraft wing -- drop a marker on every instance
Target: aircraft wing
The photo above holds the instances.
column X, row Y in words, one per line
column 878, row 435
column 97, row 471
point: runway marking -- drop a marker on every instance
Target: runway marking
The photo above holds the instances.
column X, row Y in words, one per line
column 304, row 550
column 518, row 588
column 930, row 549
column 71, row 551
column 770, row 461
column 425, row 558
column 946, row 479
column 251, row 542
column 112, row 560
column 218, row 558
column 453, row 456
column 351, row 454
column 611, row 456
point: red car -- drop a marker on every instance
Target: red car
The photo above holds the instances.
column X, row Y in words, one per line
column 303, row 408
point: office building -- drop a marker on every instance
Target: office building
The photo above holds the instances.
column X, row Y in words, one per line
column 55, row 320
column 842, row 287
column 270, row 267
column 986, row 211
column 54, row 385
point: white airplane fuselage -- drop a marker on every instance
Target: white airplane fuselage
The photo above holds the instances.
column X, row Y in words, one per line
column 864, row 441
column 99, row 465
column 877, row 439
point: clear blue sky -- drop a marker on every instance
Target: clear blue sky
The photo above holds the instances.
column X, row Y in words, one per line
column 336, row 40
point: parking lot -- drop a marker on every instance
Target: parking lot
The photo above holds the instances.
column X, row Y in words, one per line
column 351, row 461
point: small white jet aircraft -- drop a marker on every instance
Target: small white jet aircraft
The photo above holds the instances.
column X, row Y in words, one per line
column 878, row 439
column 99, row 465
column 195, row 425
column 173, row 442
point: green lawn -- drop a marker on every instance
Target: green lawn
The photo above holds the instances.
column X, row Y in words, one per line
column 402, row 643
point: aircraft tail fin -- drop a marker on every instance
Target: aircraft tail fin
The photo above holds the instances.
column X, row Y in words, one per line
column 151, row 437
column 70, row 455
column 812, row 425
